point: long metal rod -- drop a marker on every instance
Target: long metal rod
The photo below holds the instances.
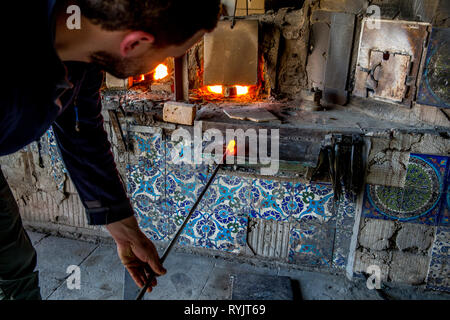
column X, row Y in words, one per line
column 174, row 240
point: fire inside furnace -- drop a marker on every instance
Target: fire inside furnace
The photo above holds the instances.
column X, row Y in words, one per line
column 239, row 90
column 161, row 72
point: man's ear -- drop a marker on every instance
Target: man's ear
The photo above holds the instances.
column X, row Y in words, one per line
column 135, row 43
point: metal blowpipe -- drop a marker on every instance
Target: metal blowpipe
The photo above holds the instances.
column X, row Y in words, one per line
column 230, row 151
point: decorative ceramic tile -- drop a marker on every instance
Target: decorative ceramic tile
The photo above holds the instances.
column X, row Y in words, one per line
column 222, row 218
column 444, row 219
column 345, row 215
column 426, row 172
column 419, row 201
column 178, row 152
column 219, row 230
column 146, row 184
column 234, row 192
column 313, row 200
column 58, row 169
column 341, row 248
column 150, row 148
column 271, row 199
column 441, row 245
column 202, row 176
column 163, row 191
column 312, row 244
column 439, row 274
column 151, row 185
column 181, row 187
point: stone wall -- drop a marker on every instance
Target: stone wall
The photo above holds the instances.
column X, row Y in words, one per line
column 405, row 213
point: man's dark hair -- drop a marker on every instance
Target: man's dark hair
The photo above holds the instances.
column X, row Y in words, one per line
column 172, row 22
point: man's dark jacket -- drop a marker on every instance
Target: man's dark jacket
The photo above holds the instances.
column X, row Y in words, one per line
column 38, row 91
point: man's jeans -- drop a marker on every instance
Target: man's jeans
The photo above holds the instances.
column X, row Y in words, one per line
column 17, row 255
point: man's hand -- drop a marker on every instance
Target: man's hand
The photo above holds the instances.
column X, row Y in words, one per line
column 135, row 250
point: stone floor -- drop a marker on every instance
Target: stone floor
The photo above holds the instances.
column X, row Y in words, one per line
column 189, row 277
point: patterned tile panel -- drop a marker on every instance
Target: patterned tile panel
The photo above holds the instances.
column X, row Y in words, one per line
column 272, row 200
column 314, row 201
column 419, row 201
column 146, row 184
column 312, row 244
column 225, row 210
column 341, row 248
column 58, row 169
column 164, row 191
column 439, row 270
column 444, row 219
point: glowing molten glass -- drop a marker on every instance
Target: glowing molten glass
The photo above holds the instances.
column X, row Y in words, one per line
column 161, row 72
column 241, row 90
column 215, row 89
column 230, row 147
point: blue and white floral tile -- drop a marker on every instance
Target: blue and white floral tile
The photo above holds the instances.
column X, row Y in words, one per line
column 439, row 275
column 146, row 184
column 181, row 187
column 212, row 193
column 178, row 152
column 148, row 175
column 313, row 200
column 271, row 200
column 345, row 212
column 225, row 210
column 58, row 169
column 420, row 200
column 233, row 193
column 150, row 149
column 150, row 216
column 441, row 245
column 311, row 244
column 152, row 186
column 341, row 248
column 218, row 230
column 439, row 271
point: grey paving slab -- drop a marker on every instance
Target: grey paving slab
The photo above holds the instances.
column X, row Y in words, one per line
column 218, row 285
column 100, row 277
column 54, row 256
column 36, row 237
column 251, row 286
column 322, row 286
column 87, row 293
column 232, row 266
column 189, row 276
column 185, row 278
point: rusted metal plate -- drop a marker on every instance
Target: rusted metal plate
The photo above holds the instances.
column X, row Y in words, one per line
column 231, row 55
column 393, row 37
column 340, row 45
column 390, row 71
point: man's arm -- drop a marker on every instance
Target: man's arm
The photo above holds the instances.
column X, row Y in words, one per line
column 90, row 163
column 87, row 152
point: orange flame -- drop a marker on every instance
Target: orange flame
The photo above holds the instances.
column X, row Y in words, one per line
column 215, row 89
column 241, row 90
column 142, row 77
column 161, row 72
column 231, row 148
